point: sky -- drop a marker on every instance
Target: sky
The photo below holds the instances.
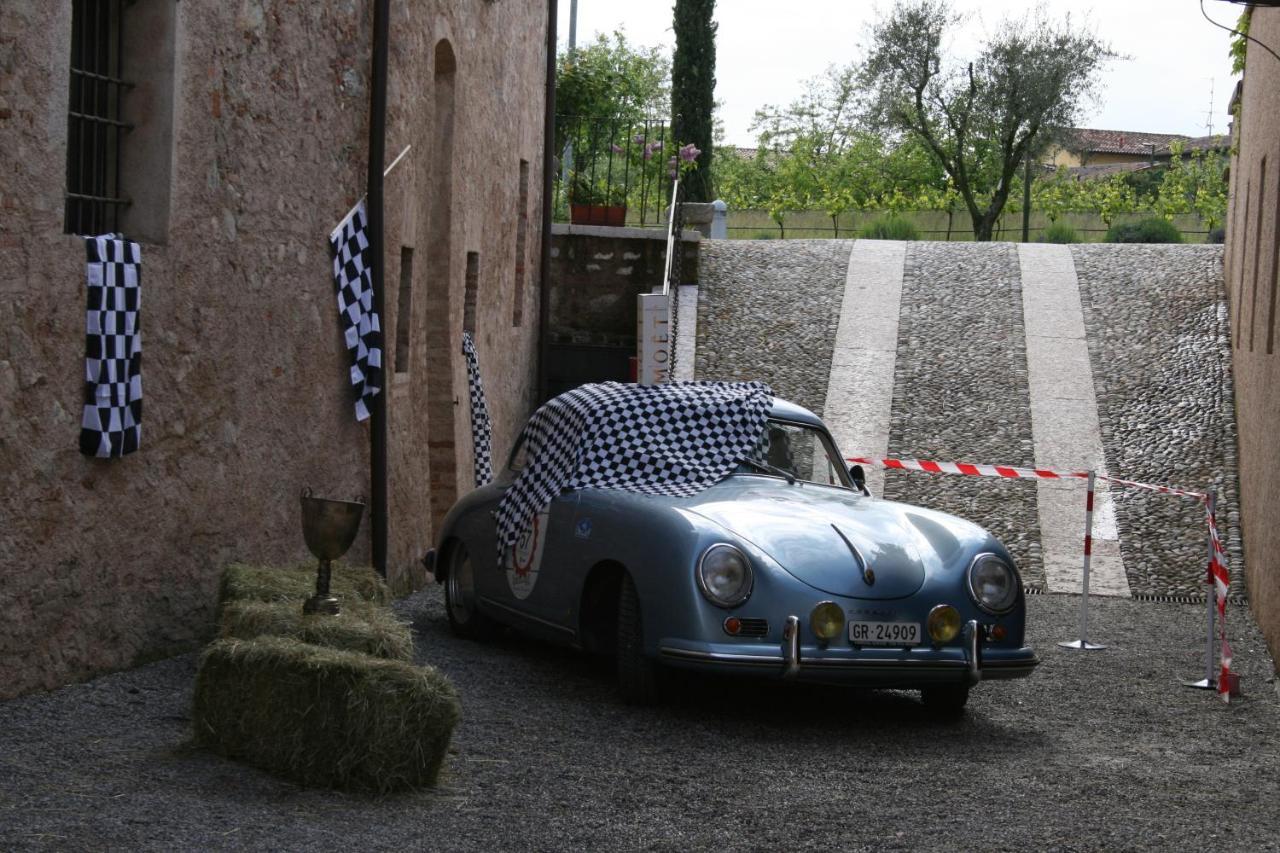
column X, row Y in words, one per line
column 765, row 50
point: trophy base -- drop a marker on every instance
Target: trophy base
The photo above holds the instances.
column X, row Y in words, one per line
column 326, row 604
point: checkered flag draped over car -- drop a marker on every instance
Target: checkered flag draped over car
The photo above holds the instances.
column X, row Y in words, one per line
column 362, row 329
column 674, row 439
column 481, row 431
column 111, row 424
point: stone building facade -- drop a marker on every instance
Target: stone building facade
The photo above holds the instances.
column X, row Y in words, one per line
column 250, row 127
column 1252, row 274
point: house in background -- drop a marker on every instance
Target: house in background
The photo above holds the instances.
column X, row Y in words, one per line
column 1252, row 273
column 229, row 139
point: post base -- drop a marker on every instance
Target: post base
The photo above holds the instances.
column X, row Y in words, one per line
column 326, row 604
column 1081, row 645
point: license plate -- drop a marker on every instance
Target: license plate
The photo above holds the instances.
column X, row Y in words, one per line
column 885, row 633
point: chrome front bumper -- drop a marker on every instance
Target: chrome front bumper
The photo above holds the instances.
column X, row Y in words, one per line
column 968, row 664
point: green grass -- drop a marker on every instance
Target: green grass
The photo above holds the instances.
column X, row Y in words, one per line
column 1059, row 232
column 890, row 228
column 324, row 717
column 1153, row 230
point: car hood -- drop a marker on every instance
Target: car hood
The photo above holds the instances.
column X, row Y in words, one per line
column 830, row 537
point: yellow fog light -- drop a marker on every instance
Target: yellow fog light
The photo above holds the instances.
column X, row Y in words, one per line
column 827, row 620
column 944, row 623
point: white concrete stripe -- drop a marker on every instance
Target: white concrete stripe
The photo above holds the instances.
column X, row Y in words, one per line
column 686, row 333
column 860, row 387
column 1064, row 425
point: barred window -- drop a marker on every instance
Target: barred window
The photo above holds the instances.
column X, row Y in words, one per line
column 95, row 125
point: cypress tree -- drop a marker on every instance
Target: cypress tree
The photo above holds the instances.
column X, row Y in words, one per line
column 693, row 86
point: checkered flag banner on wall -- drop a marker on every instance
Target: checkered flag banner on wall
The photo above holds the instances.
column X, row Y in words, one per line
column 675, row 439
column 111, row 424
column 481, row 431
column 361, row 327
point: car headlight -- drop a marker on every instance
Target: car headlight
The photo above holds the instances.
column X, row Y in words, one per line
column 826, row 621
column 724, row 576
column 993, row 584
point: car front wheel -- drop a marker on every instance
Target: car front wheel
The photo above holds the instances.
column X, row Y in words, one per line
column 638, row 676
column 460, row 598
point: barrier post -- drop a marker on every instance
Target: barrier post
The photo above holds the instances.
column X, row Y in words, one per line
column 1083, row 643
column 1210, row 597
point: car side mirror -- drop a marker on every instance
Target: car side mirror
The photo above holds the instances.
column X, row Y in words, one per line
column 859, row 479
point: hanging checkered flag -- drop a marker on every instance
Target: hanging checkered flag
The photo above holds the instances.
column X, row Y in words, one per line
column 353, row 279
column 675, row 439
column 111, row 424
column 481, row 431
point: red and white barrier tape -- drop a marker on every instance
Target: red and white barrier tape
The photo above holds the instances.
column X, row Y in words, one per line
column 1219, row 576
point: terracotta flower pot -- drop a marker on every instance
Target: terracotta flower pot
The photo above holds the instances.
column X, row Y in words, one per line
column 614, row 215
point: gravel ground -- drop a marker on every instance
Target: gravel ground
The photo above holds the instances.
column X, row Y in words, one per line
column 768, row 310
column 1160, row 348
column 1100, row 750
column 960, row 390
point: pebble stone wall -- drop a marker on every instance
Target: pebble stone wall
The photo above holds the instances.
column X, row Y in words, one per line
column 960, row 390
column 1159, row 348
column 768, row 311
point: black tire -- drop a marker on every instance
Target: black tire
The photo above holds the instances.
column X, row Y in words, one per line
column 638, row 676
column 945, row 701
column 465, row 618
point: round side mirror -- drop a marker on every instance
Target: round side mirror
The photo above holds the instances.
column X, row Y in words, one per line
column 859, row 479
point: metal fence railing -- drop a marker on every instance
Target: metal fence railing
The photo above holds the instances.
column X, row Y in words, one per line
column 613, row 171
column 936, row 225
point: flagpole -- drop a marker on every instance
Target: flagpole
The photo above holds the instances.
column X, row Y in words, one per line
column 385, row 172
column 377, row 156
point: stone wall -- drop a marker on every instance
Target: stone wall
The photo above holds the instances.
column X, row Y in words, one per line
column 1253, row 275
column 596, row 275
column 245, row 374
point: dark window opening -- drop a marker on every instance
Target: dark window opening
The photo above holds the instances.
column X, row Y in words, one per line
column 1257, row 249
column 404, row 310
column 471, row 294
column 522, row 236
column 95, row 124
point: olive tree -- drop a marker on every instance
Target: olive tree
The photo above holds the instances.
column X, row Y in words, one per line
column 979, row 119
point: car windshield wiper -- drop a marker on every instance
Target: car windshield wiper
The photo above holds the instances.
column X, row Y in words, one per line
column 772, row 469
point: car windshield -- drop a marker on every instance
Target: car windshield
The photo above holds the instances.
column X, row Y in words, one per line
column 799, row 451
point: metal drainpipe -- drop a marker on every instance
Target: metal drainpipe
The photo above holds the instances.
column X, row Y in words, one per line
column 548, row 187
column 377, row 153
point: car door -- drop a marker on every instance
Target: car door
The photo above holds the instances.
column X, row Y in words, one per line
column 527, row 580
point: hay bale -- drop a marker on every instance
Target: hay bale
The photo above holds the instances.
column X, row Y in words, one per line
column 242, row 582
column 360, row 627
column 323, row 717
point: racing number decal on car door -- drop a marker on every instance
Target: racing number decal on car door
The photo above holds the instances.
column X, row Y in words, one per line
column 524, row 559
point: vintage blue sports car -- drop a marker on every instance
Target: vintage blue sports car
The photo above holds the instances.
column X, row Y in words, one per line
column 785, row 568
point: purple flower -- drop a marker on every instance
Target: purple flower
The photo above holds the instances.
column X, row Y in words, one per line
column 638, row 139
column 689, row 153
column 617, row 149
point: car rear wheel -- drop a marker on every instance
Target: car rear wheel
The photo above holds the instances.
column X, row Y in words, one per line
column 947, row 701
column 460, row 598
column 638, row 676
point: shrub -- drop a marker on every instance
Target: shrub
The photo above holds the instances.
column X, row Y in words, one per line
column 890, row 228
column 324, row 717
column 1217, row 235
column 241, row 582
column 360, row 627
column 1154, row 230
column 1060, row 232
